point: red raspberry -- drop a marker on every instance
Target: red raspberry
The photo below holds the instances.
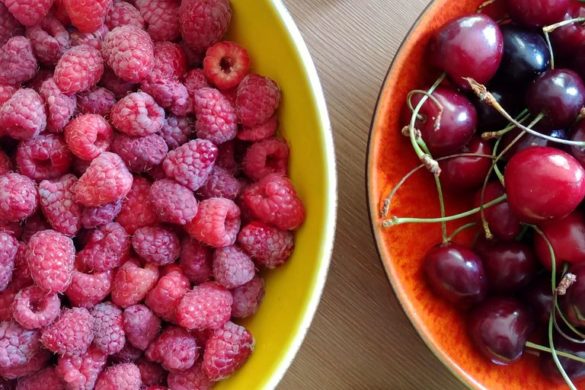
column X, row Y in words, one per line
column 6, row 92
column 137, row 115
column 18, row 61
column 81, row 372
column 156, row 245
column 79, row 69
column 119, row 87
column 88, row 288
column 226, row 157
column 71, row 334
column 43, row 157
column 257, row 100
column 106, row 180
column 170, row 94
column 37, row 362
column 204, row 22
column 261, row 132
column 93, row 39
column 56, row 199
column 29, row 12
column 232, row 267
column 220, row 184
column 107, row 248
column 21, row 275
column 137, row 210
column 175, row 349
column 87, row 15
column 247, row 298
column 226, row 64
column 132, row 283
column 34, row 309
column 176, row 131
column 170, row 61
column 93, row 217
column 140, row 154
column 88, row 136
column 108, row 329
column 6, row 300
column 122, row 14
column 34, row 224
column 230, row 95
column 50, row 257
column 23, row 116
column 8, row 249
column 99, row 101
column 18, row 197
column 124, row 376
column 194, row 80
column 167, row 293
column 268, row 246
column 18, row 346
column 195, row 261
column 9, row 26
column 128, row 354
column 217, row 223
column 266, row 157
column 207, row 306
column 49, row 39
column 226, row 351
column 60, row 107
column 216, row 117
column 152, row 374
column 129, row 51
column 172, row 202
column 141, row 326
column 191, row 379
column 44, row 379
column 161, row 17
column 191, row 163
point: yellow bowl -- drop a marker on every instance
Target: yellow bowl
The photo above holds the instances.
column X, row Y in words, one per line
column 293, row 292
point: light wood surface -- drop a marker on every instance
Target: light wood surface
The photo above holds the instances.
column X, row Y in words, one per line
column 360, row 338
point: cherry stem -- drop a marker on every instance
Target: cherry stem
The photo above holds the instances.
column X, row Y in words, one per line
column 430, row 96
column 570, row 326
column 542, row 348
column 550, row 49
column 553, row 27
column 485, row 4
column 461, row 229
column 524, row 115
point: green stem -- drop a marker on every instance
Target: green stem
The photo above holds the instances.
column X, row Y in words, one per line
column 461, row 229
column 553, row 27
column 550, row 49
column 542, row 348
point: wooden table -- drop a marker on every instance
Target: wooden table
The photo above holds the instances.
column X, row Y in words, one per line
column 360, row 338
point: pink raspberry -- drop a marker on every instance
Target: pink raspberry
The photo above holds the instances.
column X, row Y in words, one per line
column 122, row 14
column 79, row 69
column 124, row 376
column 88, row 288
column 88, row 136
column 247, row 298
column 23, row 116
column 169, row 94
column 132, row 282
column 220, row 184
column 167, row 293
column 137, row 210
column 217, row 223
column 194, row 80
column 129, row 51
column 232, row 267
column 18, row 346
column 37, row 362
column 56, row 199
column 108, row 328
column 191, row 379
column 43, row 157
column 226, row 64
column 106, row 180
column 34, row 224
column 119, row 87
column 268, row 246
column 226, row 157
column 128, row 354
column 172, row 202
column 49, row 39
column 226, row 351
column 18, row 61
column 257, row 100
column 8, row 249
column 137, row 115
column 18, row 197
column 98, row 101
column 175, row 349
column 141, row 326
column 156, row 245
column 93, row 217
column 44, row 379
column 216, row 117
column 71, row 334
column 93, row 39
column 34, row 309
column 170, row 61
column 87, row 16
column 21, row 275
column 107, row 248
column 161, row 17
column 140, row 154
column 204, row 22
column 261, row 132
column 195, row 261
column 191, row 163
column 207, row 306
column 6, row 92
column 81, row 372
column 152, row 374
column 29, row 12
column 60, row 107
column 273, row 200
column 176, row 131
column 266, row 157
column 9, row 26
column 50, row 257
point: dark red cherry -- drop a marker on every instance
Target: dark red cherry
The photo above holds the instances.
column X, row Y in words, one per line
column 456, row 274
column 537, row 13
column 567, row 237
column 499, row 329
column 446, row 130
column 489, row 119
column 567, row 38
column 576, row 62
column 574, row 369
column 578, row 134
column 529, row 140
column 544, row 183
column 503, row 223
column 538, row 297
column 574, row 303
column 471, row 46
column 467, row 172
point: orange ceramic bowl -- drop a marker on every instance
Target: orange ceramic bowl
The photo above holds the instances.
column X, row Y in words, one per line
column 402, row 248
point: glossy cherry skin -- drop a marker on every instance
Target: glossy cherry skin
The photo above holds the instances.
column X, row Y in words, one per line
column 544, row 183
column 467, row 173
column 456, row 125
column 567, row 38
column 538, row 297
column 529, row 140
column 567, row 237
column 489, row 119
column 456, row 274
column 574, row 302
column 503, row 223
column 537, row 13
column 471, row 46
column 499, row 329
column 578, row 134
column 574, row 369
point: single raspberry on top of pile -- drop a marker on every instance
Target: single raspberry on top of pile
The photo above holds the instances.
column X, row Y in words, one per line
column 227, row 350
column 71, row 334
column 129, row 51
column 87, row 16
column 204, row 22
column 79, row 69
column 18, row 197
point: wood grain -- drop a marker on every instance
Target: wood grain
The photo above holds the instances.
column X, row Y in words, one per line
column 360, row 338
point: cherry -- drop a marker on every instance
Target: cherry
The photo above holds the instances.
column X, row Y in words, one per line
column 565, row 39
column 499, row 329
column 574, row 303
column 537, row 13
column 544, row 183
column 467, row 172
column 448, row 127
column 456, row 274
column 529, row 140
column 491, row 120
column 567, row 237
column 574, row 369
column 577, row 60
column 538, row 296
column 578, row 134
column 503, row 223
column 471, row 46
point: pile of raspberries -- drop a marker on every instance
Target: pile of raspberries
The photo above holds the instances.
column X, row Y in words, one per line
column 142, row 189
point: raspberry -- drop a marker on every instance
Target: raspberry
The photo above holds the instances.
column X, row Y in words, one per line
column 195, row 261
column 12, row 228
column 268, row 246
column 170, row 61
column 44, row 379
column 207, row 306
column 60, row 12
column 230, row 95
column 125, row 376
column 56, row 199
column 156, row 245
column 247, row 298
column 257, row 100
column 191, row 379
column 167, row 293
column 220, row 184
column 29, row 12
column 18, row 197
column 9, row 26
column 140, row 154
column 49, row 40
column 36, row 223
column 261, row 132
column 60, row 107
column 79, row 69
column 137, row 115
column 34, row 309
column 226, row 64
column 132, row 283
column 50, row 257
column 18, row 61
column 23, row 116
column 226, row 157
column 191, row 163
column 108, row 330
column 216, row 117
column 99, row 101
column 141, row 326
column 21, row 275
column 122, row 14
column 151, row 373
column 107, row 248
column 43, row 157
column 6, row 92
column 226, row 351
column 175, row 349
column 71, row 334
column 204, row 22
column 170, row 94
column 81, row 372
column 128, row 354
column 176, row 131
column 161, row 17
column 266, row 157
column 194, row 58
column 87, row 16
column 8, row 249
column 93, row 217
column 37, row 362
column 232, row 267
column 6, row 300
column 217, row 223
column 88, row 288
column 88, row 136
column 105, row 181
column 129, row 51
column 119, row 87
column 273, row 200
column 194, row 80
column 172, row 202
column 93, row 39
column 137, row 210
column 19, row 348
